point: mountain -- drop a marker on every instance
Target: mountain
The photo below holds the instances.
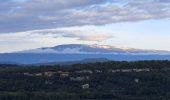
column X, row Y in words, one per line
column 91, row 49
column 78, row 52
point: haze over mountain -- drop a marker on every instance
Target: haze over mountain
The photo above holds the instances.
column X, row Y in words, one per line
column 92, row 49
column 81, row 53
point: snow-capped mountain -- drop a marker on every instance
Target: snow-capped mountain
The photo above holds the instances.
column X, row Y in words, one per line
column 91, row 49
column 79, row 52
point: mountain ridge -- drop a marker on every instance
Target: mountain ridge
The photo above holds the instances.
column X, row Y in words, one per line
column 78, row 52
column 91, row 49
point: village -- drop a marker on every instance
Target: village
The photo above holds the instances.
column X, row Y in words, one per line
column 64, row 74
column 84, row 75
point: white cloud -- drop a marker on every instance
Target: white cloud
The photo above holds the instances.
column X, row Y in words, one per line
column 44, row 14
column 85, row 33
column 51, row 37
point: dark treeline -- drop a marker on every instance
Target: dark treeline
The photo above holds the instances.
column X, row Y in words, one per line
column 142, row 80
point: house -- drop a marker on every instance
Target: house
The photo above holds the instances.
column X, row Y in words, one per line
column 84, row 71
column 126, row 70
column 141, row 70
column 79, row 78
column 114, row 70
column 28, row 74
column 38, row 74
column 63, row 75
column 98, row 71
column 49, row 74
column 85, row 86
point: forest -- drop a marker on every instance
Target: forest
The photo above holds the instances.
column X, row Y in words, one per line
column 112, row 80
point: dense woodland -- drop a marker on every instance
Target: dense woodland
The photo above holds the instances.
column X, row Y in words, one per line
column 142, row 80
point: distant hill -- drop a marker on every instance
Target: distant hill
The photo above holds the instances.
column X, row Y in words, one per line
column 92, row 49
column 84, row 61
column 78, row 52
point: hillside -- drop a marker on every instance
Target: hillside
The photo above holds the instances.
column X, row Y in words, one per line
column 144, row 80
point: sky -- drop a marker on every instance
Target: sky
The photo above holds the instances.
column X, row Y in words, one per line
column 29, row 24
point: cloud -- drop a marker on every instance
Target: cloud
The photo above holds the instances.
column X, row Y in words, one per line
column 85, row 33
column 52, row 5
column 44, row 14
